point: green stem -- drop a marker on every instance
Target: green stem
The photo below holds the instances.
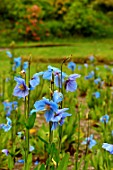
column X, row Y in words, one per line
column 78, row 143
column 3, row 89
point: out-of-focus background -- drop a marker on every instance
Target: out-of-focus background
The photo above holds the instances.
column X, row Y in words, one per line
column 43, row 20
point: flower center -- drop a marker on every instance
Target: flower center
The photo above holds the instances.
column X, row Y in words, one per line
column 22, row 87
column 47, row 107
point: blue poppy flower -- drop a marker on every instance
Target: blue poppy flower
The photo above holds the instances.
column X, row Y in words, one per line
column 97, row 81
column 70, row 83
column 5, row 151
column 57, row 78
column 25, row 65
column 96, row 94
column 108, row 147
column 48, row 106
column 86, row 65
column 48, row 74
column 71, row 66
column 35, row 80
column 59, row 117
column 9, row 54
column 31, row 148
column 90, row 75
column 89, row 141
column 104, row 119
column 20, row 134
column 7, row 127
column 21, row 161
column 57, row 96
column 21, row 90
column 91, row 58
column 17, row 62
column 79, row 67
column 36, row 162
column 9, row 107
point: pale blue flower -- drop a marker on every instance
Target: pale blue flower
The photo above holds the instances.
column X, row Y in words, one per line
column 49, row 107
column 97, row 81
column 96, row 94
column 31, row 148
column 21, row 90
column 25, row 65
column 48, row 74
column 35, row 80
column 5, row 151
column 70, row 83
column 90, row 75
column 57, row 96
column 59, row 117
column 71, row 66
column 17, row 62
column 7, row 127
column 9, row 54
column 108, row 147
column 89, row 141
column 104, row 119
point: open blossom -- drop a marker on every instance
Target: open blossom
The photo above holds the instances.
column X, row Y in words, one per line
column 59, row 117
column 71, row 66
column 90, row 75
column 21, row 90
column 6, row 127
column 9, row 54
column 17, row 62
column 96, row 94
column 97, row 81
column 35, row 80
column 108, row 147
column 70, row 83
column 57, row 96
column 91, row 58
column 48, row 74
column 57, row 78
column 5, row 151
column 25, row 65
column 49, row 107
column 104, row 119
column 9, row 107
column 89, row 141
column 53, row 71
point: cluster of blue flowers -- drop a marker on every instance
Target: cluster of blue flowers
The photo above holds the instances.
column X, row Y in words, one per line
column 52, row 113
column 17, row 62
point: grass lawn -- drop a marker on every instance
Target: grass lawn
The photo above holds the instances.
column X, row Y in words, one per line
column 81, row 48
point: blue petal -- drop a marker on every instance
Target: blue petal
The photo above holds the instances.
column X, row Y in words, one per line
column 74, row 76
column 47, row 75
column 48, row 115
column 40, row 105
column 57, row 96
column 71, row 86
column 54, row 125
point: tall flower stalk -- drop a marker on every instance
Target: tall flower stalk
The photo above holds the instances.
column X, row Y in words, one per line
column 50, row 123
column 61, row 106
column 78, row 142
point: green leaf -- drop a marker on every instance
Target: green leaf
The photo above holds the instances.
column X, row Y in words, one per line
column 43, row 140
column 64, row 162
column 31, row 121
column 42, row 167
column 10, row 162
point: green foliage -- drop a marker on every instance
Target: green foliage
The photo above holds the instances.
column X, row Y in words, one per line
column 45, row 19
column 85, row 20
column 31, row 121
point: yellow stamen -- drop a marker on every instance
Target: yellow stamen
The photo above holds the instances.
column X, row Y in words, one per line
column 22, row 87
column 47, row 107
